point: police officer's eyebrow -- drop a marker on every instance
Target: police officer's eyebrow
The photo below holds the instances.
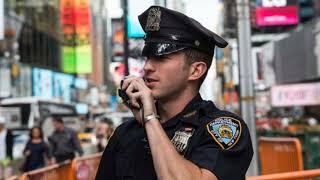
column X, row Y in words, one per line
column 164, row 57
column 161, row 57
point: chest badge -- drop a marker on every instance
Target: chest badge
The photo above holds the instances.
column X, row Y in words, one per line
column 226, row 131
column 181, row 138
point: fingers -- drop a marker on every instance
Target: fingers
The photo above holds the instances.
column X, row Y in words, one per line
column 135, row 93
column 138, row 92
column 129, row 79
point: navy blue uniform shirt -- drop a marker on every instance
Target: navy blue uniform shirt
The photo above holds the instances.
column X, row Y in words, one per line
column 216, row 140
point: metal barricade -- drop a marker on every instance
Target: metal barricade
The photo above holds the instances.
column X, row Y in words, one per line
column 279, row 154
column 12, row 178
column 305, row 175
column 82, row 168
column 62, row 171
column 86, row 167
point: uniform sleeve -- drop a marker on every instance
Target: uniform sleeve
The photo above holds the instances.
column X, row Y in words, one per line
column 106, row 168
column 225, row 155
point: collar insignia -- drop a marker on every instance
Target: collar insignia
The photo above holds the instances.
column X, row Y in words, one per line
column 226, row 131
column 190, row 114
column 153, row 21
column 181, row 138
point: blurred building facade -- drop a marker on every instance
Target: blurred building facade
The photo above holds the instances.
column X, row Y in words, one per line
column 56, row 46
column 276, row 26
column 285, row 58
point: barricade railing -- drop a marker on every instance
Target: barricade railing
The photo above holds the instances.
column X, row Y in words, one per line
column 82, row 168
column 280, row 154
column 62, row 171
column 86, row 167
column 295, row 175
column 12, row 178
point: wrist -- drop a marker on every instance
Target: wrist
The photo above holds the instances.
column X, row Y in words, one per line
column 150, row 116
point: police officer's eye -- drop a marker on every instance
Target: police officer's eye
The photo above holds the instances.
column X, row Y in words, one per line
column 163, row 57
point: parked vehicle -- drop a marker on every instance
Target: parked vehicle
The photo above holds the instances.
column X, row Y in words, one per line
column 27, row 112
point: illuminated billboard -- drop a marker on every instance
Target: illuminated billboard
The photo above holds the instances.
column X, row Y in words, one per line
column 42, row 85
column 276, row 12
column 62, row 86
column 75, row 23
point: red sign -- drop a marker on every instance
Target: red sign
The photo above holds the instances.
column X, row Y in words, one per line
column 75, row 21
column 271, row 16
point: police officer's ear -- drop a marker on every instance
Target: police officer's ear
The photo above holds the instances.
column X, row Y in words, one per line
column 197, row 70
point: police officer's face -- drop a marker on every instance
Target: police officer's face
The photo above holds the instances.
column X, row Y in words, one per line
column 166, row 75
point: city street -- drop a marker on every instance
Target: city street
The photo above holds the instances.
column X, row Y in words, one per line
column 234, row 87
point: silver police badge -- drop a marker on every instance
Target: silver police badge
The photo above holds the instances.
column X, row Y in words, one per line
column 180, row 139
column 153, row 21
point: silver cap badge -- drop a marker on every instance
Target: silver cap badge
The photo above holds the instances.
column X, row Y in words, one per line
column 153, row 21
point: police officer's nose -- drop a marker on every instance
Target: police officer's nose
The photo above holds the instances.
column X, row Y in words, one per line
column 148, row 65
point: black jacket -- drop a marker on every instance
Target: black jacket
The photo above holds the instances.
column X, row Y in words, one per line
column 9, row 144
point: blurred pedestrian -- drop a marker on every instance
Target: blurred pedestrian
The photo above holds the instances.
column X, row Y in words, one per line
column 103, row 132
column 36, row 151
column 64, row 141
column 110, row 127
column 6, row 141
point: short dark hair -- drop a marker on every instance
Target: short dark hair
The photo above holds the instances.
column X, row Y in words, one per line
column 58, row 119
column 40, row 130
column 107, row 121
column 193, row 55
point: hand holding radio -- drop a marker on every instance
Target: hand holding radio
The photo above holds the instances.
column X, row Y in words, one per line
column 137, row 96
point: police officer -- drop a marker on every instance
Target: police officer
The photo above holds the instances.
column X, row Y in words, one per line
column 176, row 134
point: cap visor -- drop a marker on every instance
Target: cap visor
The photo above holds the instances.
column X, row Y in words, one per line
column 159, row 49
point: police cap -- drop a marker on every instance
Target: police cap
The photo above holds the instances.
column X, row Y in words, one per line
column 169, row 31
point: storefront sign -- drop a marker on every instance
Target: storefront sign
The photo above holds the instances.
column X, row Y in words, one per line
column 274, row 3
column 277, row 12
column 277, row 16
column 296, row 95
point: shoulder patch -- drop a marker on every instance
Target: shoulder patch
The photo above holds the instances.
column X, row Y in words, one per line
column 226, row 131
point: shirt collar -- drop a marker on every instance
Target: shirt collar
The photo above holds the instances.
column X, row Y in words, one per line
column 188, row 115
